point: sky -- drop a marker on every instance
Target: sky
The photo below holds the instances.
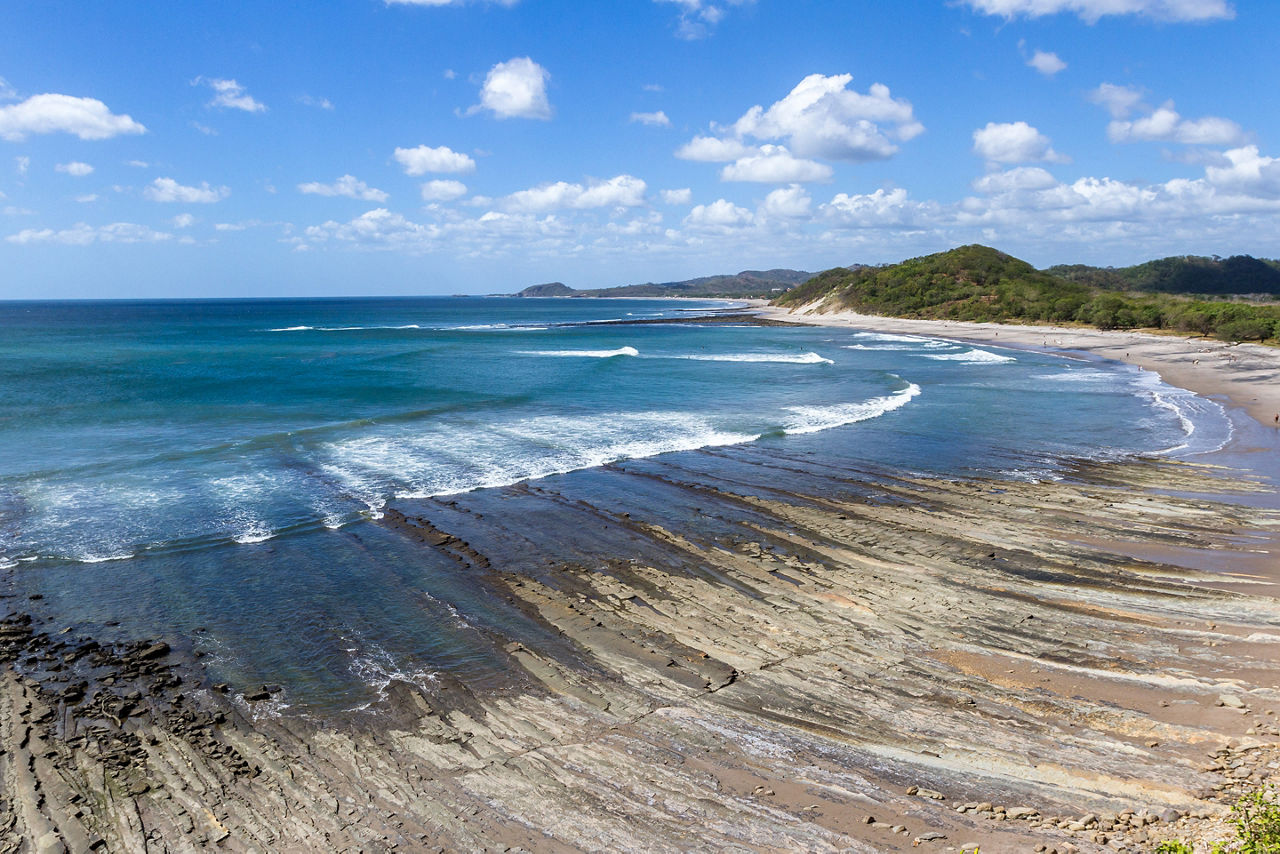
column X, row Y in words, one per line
column 368, row 147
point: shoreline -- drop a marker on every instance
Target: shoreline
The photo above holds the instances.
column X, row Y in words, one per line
column 1248, row 375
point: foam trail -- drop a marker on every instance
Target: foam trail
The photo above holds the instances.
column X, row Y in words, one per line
column 588, row 354
column 812, row 419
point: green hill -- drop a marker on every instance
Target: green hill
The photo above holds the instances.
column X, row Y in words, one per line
column 979, row 283
column 968, row 283
column 1183, row 274
column 550, row 289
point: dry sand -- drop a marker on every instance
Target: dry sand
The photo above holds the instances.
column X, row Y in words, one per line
column 1248, row 375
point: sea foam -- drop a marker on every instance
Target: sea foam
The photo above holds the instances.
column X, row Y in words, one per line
column 812, row 419
column 586, row 354
column 972, row 357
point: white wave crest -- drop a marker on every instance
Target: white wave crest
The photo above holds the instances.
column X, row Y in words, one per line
column 780, row 358
column 972, row 357
column 812, row 419
column 586, row 354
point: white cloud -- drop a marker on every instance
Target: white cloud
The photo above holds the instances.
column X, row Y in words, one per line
column 1046, row 62
column 7, row 92
column 721, row 215
column 184, row 220
column 443, row 191
column 709, row 149
column 1014, row 142
column 699, row 17
column 1020, row 178
column 620, row 191
column 82, row 234
column 347, row 185
column 1119, row 101
column 658, row 119
column 75, row 167
column 787, row 203
column 1247, row 172
column 312, row 101
column 204, row 129
column 169, row 190
column 230, row 95
column 444, row 2
column 1166, row 125
column 21, row 164
column 87, row 118
column 516, row 88
column 1092, row 10
column 775, row 165
column 677, row 197
column 87, row 198
column 379, row 227
column 881, row 209
column 138, row 164
column 423, row 159
column 821, row 117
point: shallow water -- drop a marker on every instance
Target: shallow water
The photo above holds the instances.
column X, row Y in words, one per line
column 218, row 470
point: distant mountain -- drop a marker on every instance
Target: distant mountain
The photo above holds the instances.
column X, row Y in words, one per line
column 764, row 284
column 550, row 289
column 1182, row 274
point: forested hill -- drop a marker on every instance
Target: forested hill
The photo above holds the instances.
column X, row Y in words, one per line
column 749, row 283
column 1182, row 274
column 979, row 283
column 968, row 283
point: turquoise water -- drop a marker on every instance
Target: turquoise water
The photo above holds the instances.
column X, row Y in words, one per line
column 218, row 469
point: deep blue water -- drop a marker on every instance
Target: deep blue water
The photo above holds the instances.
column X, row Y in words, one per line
column 215, row 465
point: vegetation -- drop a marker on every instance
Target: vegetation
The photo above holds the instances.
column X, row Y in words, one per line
column 1182, row 274
column 1256, row 818
column 978, row 283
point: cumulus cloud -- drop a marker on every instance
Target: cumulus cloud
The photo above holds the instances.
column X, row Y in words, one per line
column 721, row 215
column 774, row 164
column 444, row 2
column 1091, row 10
column 786, row 203
column 443, row 191
column 1014, row 142
column 185, row 220
column 230, row 95
column 658, row 119
column 82, row 234
column 1014, row 180
column 87, row 118
column 1248, row 172
column 1046, row 62
column 1166, row 125
column 709, row 149
column 822, row 117
column 682, row 196
column 620, row 191
column 169, row 190
column 699, row 17
column 424, row 159
column 881, row 209
column 347, row 185
column 515, row 89
column 1119, row 101
column 75, row 167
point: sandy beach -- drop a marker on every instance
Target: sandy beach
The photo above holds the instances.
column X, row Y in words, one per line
column 734, row 650
column 1246, row 375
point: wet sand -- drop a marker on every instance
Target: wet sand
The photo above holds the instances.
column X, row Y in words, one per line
column 743, row 649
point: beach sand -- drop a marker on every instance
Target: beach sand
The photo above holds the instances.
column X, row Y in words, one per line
column 1247, row 375
column 737, row 650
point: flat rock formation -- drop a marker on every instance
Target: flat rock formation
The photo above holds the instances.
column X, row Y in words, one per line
column 752, row 655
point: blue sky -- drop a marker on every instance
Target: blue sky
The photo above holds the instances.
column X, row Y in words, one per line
column 465, row 146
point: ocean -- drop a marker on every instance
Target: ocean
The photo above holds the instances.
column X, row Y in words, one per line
column 220, row 472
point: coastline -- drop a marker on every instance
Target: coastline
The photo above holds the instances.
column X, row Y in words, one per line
column 1248, row 375
column 733, row 649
